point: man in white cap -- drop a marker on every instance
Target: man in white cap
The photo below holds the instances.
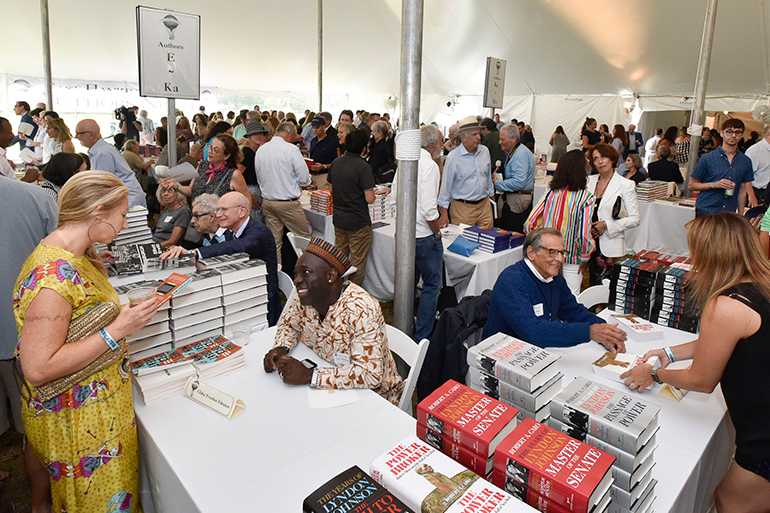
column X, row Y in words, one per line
column 466, row 186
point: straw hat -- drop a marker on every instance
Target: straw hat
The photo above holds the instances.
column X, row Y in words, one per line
column 469, row 122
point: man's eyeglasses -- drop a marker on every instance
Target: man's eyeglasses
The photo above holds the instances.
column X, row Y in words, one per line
column 224, row 209
column 734, row 132
column 78, row 134
column 553, row 253
column 198, row 216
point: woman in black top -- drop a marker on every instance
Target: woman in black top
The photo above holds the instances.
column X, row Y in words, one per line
column 381, row 154
column 590, row 136
column 732, row 289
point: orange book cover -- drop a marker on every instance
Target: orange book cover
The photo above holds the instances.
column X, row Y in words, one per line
column 171, row 286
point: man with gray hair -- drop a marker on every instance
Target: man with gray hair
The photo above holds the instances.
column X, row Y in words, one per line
column 429, row 251
column 247, row 116
column 532, row 301
column 518, row 180
column 204, row 219
column 281, row 173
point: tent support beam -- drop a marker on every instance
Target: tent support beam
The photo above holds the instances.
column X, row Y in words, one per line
column 171, row 132
column 701, row 82
column 46, row 30
column 320, row 54
column 411, row 76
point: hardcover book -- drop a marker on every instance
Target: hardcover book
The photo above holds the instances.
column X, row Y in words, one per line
column 171, row 287
column 498, row 389
column 431, row 482
column 467, row 417
column 619, row 418
column 562, row 469
column 475, row 462
column 637, row 328
column 514, row 361
column 613, row 365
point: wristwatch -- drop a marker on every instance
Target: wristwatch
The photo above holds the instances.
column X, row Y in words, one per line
column 655, row 377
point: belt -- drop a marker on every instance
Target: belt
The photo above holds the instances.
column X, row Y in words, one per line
column 521, row 192
column 290, row 199
column 471, row 202
column 316, row 173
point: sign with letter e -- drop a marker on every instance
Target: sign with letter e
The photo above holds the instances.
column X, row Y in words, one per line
column 495, row 83
column 169, row 45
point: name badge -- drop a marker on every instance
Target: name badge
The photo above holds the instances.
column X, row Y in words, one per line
column 341, row 359
column 538, row 309
column 168, row 219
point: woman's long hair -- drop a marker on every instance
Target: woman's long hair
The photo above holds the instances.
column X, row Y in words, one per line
column 570, row 172
column 82, row 194
column 725, row 250
column 619, row 132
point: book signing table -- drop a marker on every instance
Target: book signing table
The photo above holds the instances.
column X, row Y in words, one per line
column 322, row 224
column 661, row 223
column 470, row 276
column 280, row 449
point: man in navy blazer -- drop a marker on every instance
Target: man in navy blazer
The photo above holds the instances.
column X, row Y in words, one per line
column 243, row 235
column 635, row 141
column 532, row 302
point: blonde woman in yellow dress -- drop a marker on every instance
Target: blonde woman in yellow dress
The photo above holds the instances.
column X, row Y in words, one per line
column 86, row 435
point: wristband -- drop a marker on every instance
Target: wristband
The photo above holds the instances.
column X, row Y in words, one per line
column 670, row 354
column 108, row 339
column 314, row 379
column 655, row 378
column 285, row 348
column 713, row 185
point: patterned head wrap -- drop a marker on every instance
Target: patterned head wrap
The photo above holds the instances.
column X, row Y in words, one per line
column 329, row 253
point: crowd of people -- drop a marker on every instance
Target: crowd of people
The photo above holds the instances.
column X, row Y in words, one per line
column 252, row 168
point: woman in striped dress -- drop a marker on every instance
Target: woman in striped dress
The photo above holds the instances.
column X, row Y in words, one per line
column 568, row 206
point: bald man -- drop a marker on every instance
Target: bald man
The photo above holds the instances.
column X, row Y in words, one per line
column 105, row 157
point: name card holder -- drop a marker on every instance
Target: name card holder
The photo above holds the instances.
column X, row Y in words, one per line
column 213, row 399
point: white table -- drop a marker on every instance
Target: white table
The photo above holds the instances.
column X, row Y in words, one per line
column 696, row 438
column 322, row 225
column 270, row 457
column 470, row 276
column 661, row 223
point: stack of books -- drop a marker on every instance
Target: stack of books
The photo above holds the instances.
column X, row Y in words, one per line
column 221, row 260
column 517, row 373
column 632, row 285
column 244, row 293
column 619, row 424
column 156, row 336
column 492, row 240
column 427, row 480
column 145, row 258
column 196, row 311
column 164, row 375
column 382, row 209
column 465, row 424
column 138, row 232
column 672, row 305
column 353, row 490
column 321, row 202
column 552, row 471
column 651, row 190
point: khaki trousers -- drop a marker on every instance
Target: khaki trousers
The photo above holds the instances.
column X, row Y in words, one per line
column 467, row 213
column 356, row 246
column 320, row 181
column 280, row 214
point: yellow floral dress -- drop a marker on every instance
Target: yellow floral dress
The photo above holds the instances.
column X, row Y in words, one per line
column 86, row 437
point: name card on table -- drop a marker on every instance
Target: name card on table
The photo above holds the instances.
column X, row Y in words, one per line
column 213, row 399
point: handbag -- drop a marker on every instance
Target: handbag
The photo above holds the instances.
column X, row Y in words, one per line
column 84, row 326
column 618, row 209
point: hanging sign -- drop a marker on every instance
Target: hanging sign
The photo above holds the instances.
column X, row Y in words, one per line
column 169, row 53
column 494, row 84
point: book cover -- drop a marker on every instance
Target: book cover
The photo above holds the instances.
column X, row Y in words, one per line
column 431, row 482
column 242, row 270
column 475, row 462
column 205, row 351
column 171, row 286
column 540, row 503
column 353, row 491
column 467, row 417
column 571, row 473
column 612, row 365
column 621, row 419
column 502, row 391
column 514, row 361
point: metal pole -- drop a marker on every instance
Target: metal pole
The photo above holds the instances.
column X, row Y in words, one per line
column 171, row 132
column 411, row 69
column 320, row 54
column 701, row 82
column 46, row 52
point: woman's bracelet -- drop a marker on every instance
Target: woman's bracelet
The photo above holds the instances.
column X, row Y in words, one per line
column 713, row 185
column 670, row 354
column 108, row 339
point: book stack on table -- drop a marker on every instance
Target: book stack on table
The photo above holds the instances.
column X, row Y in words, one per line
column 429, row 481
column 465, row 424
column 166, row 374
column 493, row 240
column 672, row 305
column 552, row 471
column 517, row 373
column 382, row 209
column 619, row 424
column 321, row 202
column 138, row 231
column 244, row 293
column 356, row 491
column 145, row 258
column 651, row 190
column 196, row 311
column 156, row 336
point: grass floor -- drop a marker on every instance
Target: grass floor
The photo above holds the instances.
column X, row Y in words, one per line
column 14, row 490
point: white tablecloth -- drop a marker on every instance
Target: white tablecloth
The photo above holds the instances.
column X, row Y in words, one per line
column 695, row 441
column 661, row 223
column 270, row 457
column 470, row 276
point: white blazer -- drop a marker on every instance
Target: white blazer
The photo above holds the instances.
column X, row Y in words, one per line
column 612, row 241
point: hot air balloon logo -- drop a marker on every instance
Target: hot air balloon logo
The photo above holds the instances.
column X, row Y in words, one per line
column 497, row 64
column 171, row 23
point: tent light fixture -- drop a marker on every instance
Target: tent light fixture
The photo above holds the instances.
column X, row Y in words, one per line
column 727, row 112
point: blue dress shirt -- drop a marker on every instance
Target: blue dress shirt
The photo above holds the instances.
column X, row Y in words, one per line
column 519, row 171
column 466, row 176
column 106, row 157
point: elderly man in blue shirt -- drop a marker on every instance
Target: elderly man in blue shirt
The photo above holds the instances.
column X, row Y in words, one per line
column 722, row 175
column 518, row 181
column 466, row 186
column 105, row 157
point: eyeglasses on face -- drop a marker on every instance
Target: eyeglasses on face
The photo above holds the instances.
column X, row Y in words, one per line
column 733, row 132
column 198, row 216
column 553, row 253
column 225, row 209
column 214, row 149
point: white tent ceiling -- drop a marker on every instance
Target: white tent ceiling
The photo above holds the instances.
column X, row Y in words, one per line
column 552, row 46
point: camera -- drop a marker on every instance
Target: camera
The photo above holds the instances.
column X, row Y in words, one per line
column 124, row 113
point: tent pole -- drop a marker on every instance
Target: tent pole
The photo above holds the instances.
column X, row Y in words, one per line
column 320, row 54
column 171, row 132
column 46, row 29
column 411, row 76
column 701, row 82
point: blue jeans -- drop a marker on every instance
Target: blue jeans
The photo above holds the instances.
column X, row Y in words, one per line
column 429, row 260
